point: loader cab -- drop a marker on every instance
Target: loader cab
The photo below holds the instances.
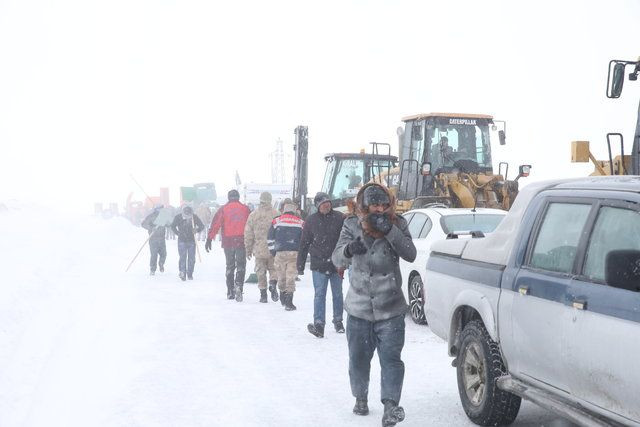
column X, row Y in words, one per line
column 347, row 172
column 447, row 142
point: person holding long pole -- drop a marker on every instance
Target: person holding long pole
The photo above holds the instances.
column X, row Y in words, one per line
column 186, row 225
column 157, row 244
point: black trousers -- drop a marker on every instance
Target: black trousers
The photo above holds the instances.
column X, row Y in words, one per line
column 236, row 262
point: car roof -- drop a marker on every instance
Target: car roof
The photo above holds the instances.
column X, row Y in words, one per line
column 460, row 211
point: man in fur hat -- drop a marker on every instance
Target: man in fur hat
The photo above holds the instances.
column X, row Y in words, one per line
column 372, row 241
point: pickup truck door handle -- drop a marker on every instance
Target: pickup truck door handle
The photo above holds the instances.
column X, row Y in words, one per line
column 523, row 289
column 580, row 304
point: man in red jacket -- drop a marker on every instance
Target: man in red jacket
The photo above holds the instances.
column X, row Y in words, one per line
column 230, row 220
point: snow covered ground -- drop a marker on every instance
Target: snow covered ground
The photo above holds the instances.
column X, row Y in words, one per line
column 82, row 343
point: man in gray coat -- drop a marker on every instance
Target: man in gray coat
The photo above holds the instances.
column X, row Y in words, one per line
column 372, row 240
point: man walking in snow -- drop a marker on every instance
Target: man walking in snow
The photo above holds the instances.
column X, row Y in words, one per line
column 319, row 237
column 372, row 240
column 283, row 241
column 186, row 225
column 230, row 220
column 157, row 243
column 255, row 242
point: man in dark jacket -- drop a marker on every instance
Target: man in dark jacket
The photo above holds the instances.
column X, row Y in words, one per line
column 157, row 243
column 230, row 220
column 283, row 241
column 319, row 237
column 372, row 240
column 186, row 225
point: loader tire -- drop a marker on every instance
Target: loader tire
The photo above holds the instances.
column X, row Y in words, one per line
column 478, row 369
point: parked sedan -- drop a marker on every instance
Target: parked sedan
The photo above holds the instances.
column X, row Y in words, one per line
column 429, row 225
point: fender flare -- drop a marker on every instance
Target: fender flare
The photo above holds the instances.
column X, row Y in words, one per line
column 478, row 302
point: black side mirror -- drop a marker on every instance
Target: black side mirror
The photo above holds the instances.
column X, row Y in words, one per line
column 618, row 80
column 622, row 269
column 502, row 137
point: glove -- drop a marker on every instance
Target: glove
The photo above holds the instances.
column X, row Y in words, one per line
column 380, row 222
column 357, row 247
column 248, row 256
column 300, row 272
column 207, row 245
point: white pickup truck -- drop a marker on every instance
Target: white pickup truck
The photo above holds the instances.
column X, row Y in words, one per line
column 546, row 308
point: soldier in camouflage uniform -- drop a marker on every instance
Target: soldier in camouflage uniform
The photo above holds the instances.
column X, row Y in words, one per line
column 255, row 242
column 284, row 241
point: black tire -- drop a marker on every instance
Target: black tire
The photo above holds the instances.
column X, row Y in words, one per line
column 478, row 369
column 416, row 300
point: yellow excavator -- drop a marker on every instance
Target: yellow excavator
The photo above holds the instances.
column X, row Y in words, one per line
column 622, row 164
column 445, row 159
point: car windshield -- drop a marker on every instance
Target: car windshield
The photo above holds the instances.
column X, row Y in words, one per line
column 471, row 222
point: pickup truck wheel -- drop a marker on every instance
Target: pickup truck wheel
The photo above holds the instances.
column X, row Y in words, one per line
column 479, row 366
column 416, row 300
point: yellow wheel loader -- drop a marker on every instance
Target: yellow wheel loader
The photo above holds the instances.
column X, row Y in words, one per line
column 445, row 159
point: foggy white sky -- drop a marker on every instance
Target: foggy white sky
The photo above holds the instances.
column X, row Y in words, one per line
column 178, row 92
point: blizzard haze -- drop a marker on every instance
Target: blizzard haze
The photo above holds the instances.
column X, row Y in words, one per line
column 190, row 91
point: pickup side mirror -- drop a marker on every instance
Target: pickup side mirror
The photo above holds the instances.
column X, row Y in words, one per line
column 502, row 137
column 622, row 269
column 426, row 168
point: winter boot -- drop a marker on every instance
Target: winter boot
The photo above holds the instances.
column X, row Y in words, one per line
column 190, row 276
column 289, row 303
column 183, row 276
column 283, row 297
column 230, row 292
column 161, row 268
column 339, row 326
column 361, row 407
column 238, row 291
column 263, row 295
column 273, row 290
column 152, row 272
column 393, row 413
column 316, row 329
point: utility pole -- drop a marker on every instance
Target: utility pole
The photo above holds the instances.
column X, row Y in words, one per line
column 277, row 164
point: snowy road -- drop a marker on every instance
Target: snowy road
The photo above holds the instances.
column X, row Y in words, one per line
column 85, row 344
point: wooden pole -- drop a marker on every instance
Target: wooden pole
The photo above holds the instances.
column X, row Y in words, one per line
column 140, row 250
column 195, row 238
